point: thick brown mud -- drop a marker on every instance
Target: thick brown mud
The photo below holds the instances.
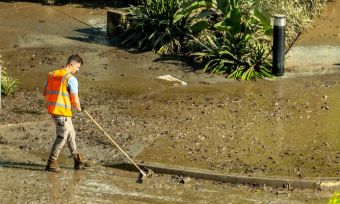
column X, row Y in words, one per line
column 325, row 28
column 283, row 127
column 317, row 48
column 24, row 181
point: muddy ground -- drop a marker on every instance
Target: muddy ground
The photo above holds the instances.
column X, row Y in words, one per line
column 285, row 127
column 317, row 48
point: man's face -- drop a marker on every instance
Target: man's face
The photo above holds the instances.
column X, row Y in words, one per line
column 75, row 67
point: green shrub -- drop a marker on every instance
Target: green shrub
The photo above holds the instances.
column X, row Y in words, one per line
column 240, row 46
column 8, row 84
column 231, row 37
column 154, row 25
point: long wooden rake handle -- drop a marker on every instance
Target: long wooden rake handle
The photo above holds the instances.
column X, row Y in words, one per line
column 113, row 142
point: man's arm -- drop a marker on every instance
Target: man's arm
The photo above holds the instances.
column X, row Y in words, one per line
column 75, row 101
column 73, row 86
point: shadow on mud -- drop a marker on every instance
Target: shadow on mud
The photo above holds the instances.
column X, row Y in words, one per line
column 83, row 3
column 97, row 4
column 178, row 60
column 93, row 35
column 123, row 166
column 27, row 111
column 25, row 165
column 22, row 165
column 97, row 35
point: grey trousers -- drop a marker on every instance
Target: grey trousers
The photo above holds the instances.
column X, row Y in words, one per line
column 65, row 133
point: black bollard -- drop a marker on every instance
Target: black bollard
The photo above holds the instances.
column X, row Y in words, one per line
column 279, row 39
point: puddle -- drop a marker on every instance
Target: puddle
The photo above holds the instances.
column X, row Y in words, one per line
column 284, row 127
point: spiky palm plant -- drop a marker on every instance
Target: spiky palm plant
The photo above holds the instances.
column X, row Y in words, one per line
column 238, row 47
column 155, row 25
column 8, row 84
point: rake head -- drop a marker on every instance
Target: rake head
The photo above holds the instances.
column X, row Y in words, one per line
column 144, row 174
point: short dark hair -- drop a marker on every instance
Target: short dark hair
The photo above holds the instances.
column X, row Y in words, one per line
column 75, row 58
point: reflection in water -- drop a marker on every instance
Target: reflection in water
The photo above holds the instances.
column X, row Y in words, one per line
column 64, row 187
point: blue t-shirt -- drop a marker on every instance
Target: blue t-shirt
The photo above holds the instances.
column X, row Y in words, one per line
column 72, row 85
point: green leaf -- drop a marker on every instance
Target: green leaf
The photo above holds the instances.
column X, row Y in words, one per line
column 187, row 11
column 199, row 26
column 207, row 67
column 178, row 17
column 206, row 13
column 222, row 6
column 235, row 20
column 221, row 26
column 211, row 41
column 199, row 54
column 208, row 3
column 264, row 19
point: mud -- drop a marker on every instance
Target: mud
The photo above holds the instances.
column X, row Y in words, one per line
column 325, row 29
column 317, row 48
column 24, row 182
column 283, row 127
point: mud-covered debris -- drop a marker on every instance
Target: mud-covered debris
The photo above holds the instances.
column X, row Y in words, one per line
column 149, row 173
column 24, row 146
column 3, row 140
column 185, row 180
column 172, row 78
column 180, row 179
column 281, row 192
column 325, row 106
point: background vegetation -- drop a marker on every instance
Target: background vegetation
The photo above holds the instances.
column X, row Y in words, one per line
column 230, row 37
column 8, row 84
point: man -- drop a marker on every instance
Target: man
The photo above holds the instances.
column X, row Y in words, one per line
column 61, row 93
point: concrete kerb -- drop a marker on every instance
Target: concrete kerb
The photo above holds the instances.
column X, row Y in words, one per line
column 316, row 184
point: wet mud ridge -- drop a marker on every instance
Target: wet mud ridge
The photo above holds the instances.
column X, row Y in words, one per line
column 314, row 184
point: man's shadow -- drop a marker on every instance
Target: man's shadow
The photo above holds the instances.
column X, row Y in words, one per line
column 22, row 165
column 26, row 165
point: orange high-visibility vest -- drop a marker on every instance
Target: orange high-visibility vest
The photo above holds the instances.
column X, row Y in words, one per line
column 58, row 100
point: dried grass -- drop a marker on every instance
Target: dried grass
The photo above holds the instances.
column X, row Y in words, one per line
column 299, row 14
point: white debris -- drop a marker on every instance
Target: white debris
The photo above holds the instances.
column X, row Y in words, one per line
column 172, row 78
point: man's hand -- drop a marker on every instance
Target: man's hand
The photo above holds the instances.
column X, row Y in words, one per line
column 82, row 107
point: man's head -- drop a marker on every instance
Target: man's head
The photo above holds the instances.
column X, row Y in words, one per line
column 74, row 62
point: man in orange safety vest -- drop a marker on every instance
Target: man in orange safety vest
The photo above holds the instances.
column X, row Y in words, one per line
column 61, row 93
